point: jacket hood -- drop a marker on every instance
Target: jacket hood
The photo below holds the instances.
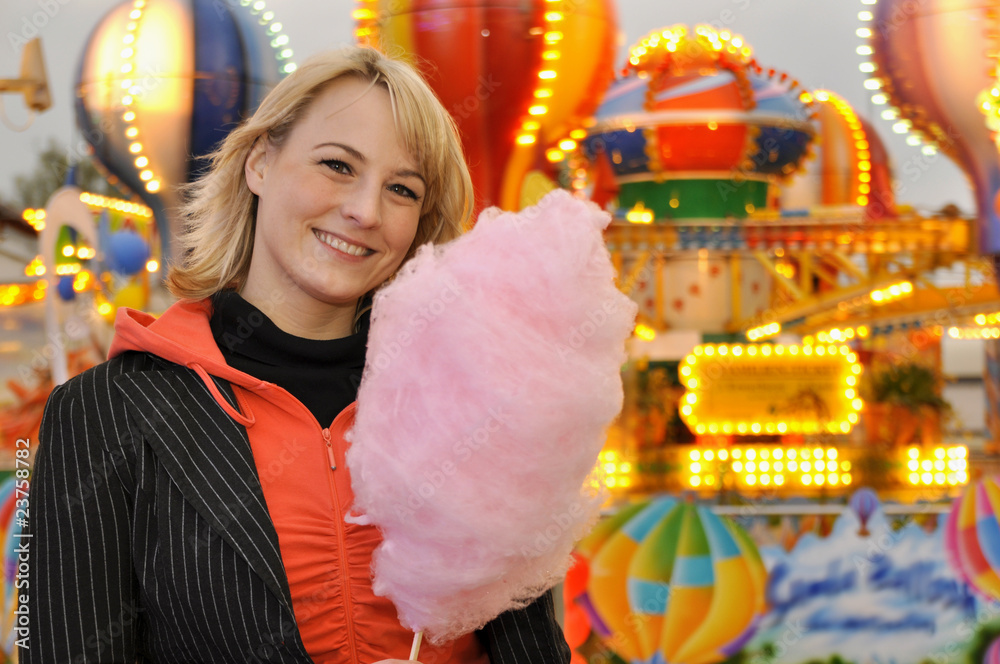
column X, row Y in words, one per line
column 182, row 335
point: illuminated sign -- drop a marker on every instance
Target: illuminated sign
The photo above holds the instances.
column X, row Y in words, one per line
column 770, row 389
column 768, row 466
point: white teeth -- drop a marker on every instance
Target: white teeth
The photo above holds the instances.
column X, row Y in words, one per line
column 337, row 243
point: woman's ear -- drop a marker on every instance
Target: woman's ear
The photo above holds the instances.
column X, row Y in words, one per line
column 255, row 167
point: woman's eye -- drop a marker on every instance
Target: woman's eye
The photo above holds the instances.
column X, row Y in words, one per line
column 403, row 191
column 336, row 166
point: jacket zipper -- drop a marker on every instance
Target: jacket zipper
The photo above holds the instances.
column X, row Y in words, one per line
column 341, row 537
column 329, row 448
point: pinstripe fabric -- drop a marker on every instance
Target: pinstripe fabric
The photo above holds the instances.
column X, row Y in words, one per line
column 152, row 541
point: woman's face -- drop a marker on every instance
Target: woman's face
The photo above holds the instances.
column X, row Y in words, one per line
column 338, row 202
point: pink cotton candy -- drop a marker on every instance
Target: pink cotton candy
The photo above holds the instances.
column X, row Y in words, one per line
column 492, row 373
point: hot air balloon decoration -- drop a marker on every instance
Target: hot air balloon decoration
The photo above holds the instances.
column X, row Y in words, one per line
column 992, row 655
column 930, row 62
column 669, row 581
column 530, row 75
column 851, row 166
column 864, row 502
column 972, row 537
column 162, row 81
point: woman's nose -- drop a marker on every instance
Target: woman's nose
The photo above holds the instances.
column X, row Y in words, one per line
column 363, row 204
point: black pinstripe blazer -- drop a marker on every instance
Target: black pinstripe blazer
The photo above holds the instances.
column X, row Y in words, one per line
column 151, row 540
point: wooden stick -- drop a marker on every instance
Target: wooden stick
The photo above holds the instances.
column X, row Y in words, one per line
column 415, row 649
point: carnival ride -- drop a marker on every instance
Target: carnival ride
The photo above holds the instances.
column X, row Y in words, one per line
column 755, row 224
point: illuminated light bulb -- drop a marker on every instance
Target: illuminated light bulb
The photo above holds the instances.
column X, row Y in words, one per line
column 554, row 36
column 135, row 148
column 709, row 455
column 141, row 162
column 738, row 466
column 152, row 265
column 939, row 478
column 723, row 455
column 750, row 466
column 939, row 453
column 832, row 479
column 695, row 455
column 554, row 155
column 741, row 427
column 819, row 479
column 807, row 479
column 755, row 427
column 68, row 250
column 961, row 477
column 153, row 186
column 737, row 453
column 695, row 480
column 700, row 429
column 764, row 466
column 146, row 175
column 926, row 478
column 913, row 464
column 914, row 478
column 695, row 467
column 751, row 479
column 765, row 479
column 525, row 139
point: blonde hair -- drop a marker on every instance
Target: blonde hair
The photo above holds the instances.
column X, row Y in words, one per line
column 216, row 242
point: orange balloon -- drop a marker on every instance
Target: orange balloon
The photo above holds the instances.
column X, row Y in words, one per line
column 517, row 77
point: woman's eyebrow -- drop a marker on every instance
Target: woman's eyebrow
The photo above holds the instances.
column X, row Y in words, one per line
column 409, row 173
column 346, row 148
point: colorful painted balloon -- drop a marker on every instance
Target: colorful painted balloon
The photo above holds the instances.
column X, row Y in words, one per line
column 672, row 582
column 972, row 536
column 932, row 60
column 162, row 81
column 864, row 502
column 696, row 129
column 992, row 655
column 529, row 74
column 850, row 167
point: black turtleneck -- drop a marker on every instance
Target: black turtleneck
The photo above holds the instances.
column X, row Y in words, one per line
column 322, row 374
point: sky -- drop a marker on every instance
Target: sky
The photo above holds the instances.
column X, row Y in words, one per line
column 813, row 41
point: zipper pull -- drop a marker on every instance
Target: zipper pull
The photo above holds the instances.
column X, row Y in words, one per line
column 329, row 449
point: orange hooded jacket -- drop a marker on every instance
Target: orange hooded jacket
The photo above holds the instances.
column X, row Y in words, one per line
column 307, row 487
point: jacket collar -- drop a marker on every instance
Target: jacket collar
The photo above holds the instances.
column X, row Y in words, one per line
column 208, row 456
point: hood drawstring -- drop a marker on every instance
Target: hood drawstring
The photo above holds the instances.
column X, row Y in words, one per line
column 246, row 420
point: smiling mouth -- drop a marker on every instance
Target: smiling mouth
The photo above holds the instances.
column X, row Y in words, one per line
column 341, row 245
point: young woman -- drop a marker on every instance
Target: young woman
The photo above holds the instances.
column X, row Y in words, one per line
column 188, row 496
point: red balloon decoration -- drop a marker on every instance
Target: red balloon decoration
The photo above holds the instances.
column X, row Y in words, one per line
column 520, row 78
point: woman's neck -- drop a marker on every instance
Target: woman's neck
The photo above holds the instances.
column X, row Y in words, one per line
column 302, row 316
